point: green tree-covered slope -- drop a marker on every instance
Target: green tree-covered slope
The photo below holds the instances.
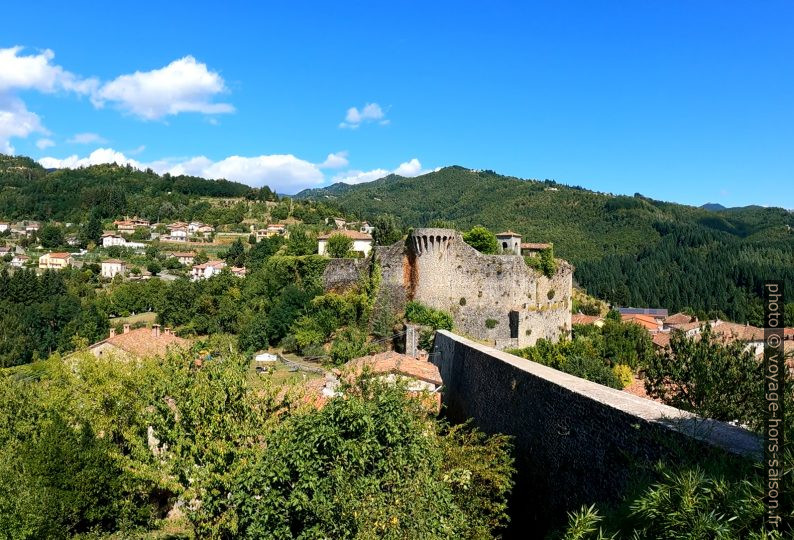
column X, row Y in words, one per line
column 627, row 249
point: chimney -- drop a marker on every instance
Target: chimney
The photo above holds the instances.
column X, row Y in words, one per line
column 112, row 332
column 126, row 328
column 168, row 330
column 155, row 330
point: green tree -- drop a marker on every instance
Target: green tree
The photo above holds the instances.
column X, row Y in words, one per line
column 387, row 231
column 482, row 240
column 51, row 236
column 339, row 246
column 705, row 376
column 372, row 465
column 91, row 231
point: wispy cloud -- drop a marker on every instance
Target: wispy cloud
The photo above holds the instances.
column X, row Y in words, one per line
column 87, row 138
column 370, row 112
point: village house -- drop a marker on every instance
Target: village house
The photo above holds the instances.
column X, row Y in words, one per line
column 184, row 257
column 178, row 234
column 205, row 231
column 4, row 226
column 139, row 343
column 111, row 239
column 276, row 229
column 532, row 249
column 207, row 270
column 239, row 271
column 19, row 261
column 31, row 227
column 55, row 261
column 509, row 242
column 113, row 267
column 362, row 242
column 5, row 250
column 366, row 228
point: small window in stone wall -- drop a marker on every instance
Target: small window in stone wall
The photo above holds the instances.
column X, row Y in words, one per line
column 550, row 294
column 462, row 301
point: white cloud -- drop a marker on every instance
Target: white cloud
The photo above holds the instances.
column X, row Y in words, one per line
column 184, row 85
column 37, row 72
column 371, row 112
column 98, row 156
column 335, row 161
column 41, row 144
column 16, row 121
column 409, row 168
column 87, row 138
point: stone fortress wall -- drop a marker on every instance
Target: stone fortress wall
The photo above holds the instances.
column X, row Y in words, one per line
column 576, row 442
column 496, row 298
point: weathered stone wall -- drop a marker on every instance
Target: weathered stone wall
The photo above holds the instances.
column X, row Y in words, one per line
column 342, row 274
column 437, row 268
column 575, row 441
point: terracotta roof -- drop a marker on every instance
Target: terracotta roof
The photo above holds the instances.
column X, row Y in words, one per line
column 647, row 321
column 686, row 327
column 679, row 318
column 183, row 254
column 112, row 261
column 656, row 312
column 59, row 255
column 353, row 235
column 735, row 331
column 581, row 318
column 534, row 245
column 661, row 340
column 392, row 362
column 509, row 233
column 141, row 342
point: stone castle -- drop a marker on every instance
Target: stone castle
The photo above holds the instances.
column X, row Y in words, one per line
column 495, row 298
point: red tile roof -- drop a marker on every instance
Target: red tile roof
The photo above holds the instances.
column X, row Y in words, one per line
column 679, row 318
column 141, row 342
column 509, row 233
column 400, row 364
column 735, row 331
column 581, row 318
column 534, row 245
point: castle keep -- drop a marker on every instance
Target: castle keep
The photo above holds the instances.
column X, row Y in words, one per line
column 497, row 298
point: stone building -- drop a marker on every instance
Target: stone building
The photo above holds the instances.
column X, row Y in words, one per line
column 496, row 298
column 509, row 242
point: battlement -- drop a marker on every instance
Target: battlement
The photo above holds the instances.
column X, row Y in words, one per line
column 429, row 240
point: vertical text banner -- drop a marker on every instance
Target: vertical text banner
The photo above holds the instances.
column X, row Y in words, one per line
column 774, row 388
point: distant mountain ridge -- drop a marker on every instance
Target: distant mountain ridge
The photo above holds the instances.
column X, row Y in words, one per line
column 632, row 250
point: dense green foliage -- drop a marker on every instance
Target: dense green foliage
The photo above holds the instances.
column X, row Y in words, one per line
column 482, row 240
column 111, row 191
column 430, row 318
column 605, row 355
column 373, row 465
column 629, row 250
column 340, row 246
column 43, row 314
column 93, row 445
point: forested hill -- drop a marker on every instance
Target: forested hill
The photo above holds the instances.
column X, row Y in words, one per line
column 28, row 191
column 627, row 249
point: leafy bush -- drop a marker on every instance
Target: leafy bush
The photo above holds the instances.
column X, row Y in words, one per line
column 482, row 240
column 372, row 465
column 624, row 374
column 339, row 246
column 418, row 313
column 491, row 323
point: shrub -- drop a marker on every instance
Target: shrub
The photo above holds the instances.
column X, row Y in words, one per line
column 624, row 374
column 339, row 246
column 482, row 240
column 418, row 313
column 491, row 323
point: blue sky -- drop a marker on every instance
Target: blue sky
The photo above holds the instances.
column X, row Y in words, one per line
column 682, row 101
